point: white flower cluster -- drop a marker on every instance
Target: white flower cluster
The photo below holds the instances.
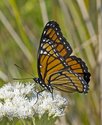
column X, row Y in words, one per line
column 20, row 100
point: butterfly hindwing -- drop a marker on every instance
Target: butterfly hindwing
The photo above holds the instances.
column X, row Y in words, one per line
column 79, row 67
column 68, row 81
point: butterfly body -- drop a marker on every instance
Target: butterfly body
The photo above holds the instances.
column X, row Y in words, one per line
column 56, row 67
column 46, row 87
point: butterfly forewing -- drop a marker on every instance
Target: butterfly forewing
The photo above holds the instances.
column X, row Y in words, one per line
column 52, row 44
column 52, row 36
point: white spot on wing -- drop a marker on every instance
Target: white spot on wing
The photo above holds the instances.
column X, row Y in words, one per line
column 47, row 24
column 41, row 45
column 84, row 90
column 83, row 82
column 41, row 51
column 44, row 32
column 85, row 86
column 57, row 33
column 61, row 59
column 43, row 40
column 79, row 78
column 45, row 52
column 53, row 25
column 57, row 54
column 47, row 40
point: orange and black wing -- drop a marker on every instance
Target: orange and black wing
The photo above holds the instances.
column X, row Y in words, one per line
column 68, row 81
column 48, row 65
column 52, row 35
column 54, row 74
column 78, row 66
column 54, row 47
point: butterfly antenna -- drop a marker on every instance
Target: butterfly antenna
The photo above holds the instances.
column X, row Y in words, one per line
column 24, row 70
column 21, row 78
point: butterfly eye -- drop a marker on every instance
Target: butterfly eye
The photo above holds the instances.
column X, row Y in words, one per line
column 36, row 80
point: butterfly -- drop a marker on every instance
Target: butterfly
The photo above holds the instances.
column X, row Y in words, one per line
column 57, row 68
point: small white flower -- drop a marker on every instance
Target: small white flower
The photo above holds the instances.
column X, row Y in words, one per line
column 20, row 100
column 1, row 108
column 53, row 106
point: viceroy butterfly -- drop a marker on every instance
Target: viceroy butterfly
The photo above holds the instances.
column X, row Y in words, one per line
column 56, row 67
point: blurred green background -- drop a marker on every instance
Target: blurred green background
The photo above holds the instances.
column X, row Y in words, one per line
column 21, row 25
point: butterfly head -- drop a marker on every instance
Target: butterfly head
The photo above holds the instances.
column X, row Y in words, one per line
column 36, row 80
column 46, row 87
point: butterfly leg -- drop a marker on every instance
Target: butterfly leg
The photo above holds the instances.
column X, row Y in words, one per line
column 38, row 93
column 52, row 95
